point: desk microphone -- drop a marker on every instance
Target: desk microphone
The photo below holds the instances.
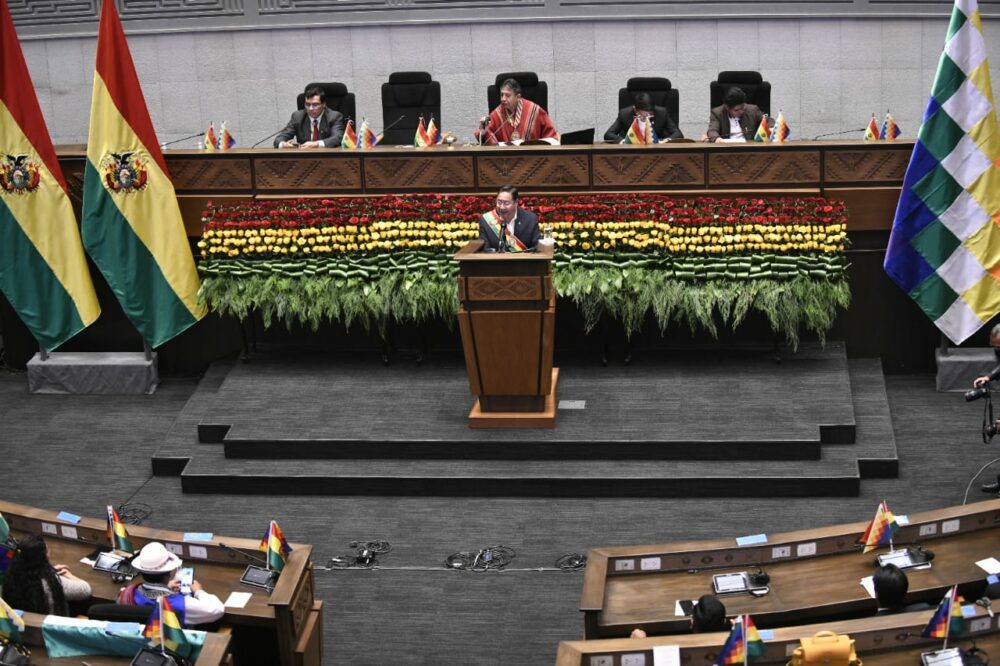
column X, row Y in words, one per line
column 187, row 138
column 393, row 124
column 269, row 136
column 850, row 131
column 487, row 130
column 247, row 557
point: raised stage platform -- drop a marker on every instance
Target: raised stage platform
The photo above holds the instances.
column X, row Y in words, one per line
column 692, row 423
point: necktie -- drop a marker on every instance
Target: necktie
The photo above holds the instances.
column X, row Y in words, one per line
column 315, row 132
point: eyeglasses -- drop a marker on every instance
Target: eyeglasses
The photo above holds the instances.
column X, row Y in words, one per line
column 504, row 203
column 314, row 105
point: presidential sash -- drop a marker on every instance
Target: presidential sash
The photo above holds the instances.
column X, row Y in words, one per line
column 497, row 225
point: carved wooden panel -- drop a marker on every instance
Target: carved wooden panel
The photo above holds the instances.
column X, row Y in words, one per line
column 883, row 166
column 216, row 174
column 418, row 172
column 505, row 289
column 649, row 167
column 327, row 173
column 743, row 167
column 552, row 171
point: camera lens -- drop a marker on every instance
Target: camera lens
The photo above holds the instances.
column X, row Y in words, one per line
column 976, row 393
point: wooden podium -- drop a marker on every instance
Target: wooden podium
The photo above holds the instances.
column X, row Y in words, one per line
column 507, row 316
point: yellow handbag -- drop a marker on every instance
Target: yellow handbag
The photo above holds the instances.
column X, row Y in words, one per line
column 826, row 648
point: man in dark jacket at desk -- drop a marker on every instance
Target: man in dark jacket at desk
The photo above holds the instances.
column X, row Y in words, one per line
column 734, row 119
column 314, row 127
column 644, row 110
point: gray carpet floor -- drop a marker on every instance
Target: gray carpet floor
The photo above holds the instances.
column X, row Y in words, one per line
column 80, row 453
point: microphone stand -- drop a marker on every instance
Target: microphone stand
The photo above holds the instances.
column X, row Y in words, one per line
column 850, row 131
column 187, row 138
column 269, row 136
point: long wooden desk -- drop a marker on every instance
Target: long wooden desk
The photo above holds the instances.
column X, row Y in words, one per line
column 889, row 640
column 214, row 652
column 867, row 176
column 283, row 627
column 815, row 574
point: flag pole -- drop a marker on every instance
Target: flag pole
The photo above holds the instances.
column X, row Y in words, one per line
column 951, row 608
column 746, row 651
column 267, row 551
column 163, row 646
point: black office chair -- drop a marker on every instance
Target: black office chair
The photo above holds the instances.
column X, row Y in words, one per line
column 411, row 95
column 120, row 613
column 531, row 88
column 752, row 83
column 337, row 98
column 659, row 90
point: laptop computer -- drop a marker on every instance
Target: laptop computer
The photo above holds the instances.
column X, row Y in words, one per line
column 583, row 137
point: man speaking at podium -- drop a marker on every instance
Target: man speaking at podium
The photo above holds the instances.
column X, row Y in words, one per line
column 508, row 228
column 516, row 119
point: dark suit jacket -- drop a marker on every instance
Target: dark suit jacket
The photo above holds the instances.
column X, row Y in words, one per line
column 718, row 122
column 662, row 123
column 331, row 128
column 525, row 228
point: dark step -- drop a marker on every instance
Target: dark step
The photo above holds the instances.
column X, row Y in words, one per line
column 875, row 446
column 828, row 478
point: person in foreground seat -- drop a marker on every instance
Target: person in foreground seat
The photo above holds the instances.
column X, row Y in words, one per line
column 644, row 110
column 709, row 615
column 35, row 585
column 516, row 119
column 891, row 585
column 157, row 567
column 515, row 227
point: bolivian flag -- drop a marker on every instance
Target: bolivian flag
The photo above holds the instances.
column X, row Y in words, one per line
column 132, row 224
column 43, row 271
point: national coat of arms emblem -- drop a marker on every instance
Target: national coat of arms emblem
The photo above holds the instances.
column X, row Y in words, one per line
column 124, row 172
column 19, row 175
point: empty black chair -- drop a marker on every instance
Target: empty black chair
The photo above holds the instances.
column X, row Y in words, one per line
column 337, row 98
column 120, row 613
column 752, row 83
column 410, row 95
column 531, row 88
column 659, row 90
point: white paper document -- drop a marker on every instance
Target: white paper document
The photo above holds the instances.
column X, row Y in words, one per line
column 990, row 565
column 868, row 582
column 666, row 655
column 238, row 599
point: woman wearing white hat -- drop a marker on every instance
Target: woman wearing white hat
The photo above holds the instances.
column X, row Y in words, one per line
column 157, row 566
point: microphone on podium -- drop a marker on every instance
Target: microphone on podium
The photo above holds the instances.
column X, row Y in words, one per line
column 269, row 136
column 187, row 138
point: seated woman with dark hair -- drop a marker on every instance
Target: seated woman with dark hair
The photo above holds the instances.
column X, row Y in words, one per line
column 891, row 584
column 709, row 614
column 35, row 585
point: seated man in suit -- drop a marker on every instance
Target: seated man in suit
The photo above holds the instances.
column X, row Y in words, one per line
column 508, row 228
column 157, row 567
column 516, row 119
column 734, row 119
column 643, row 109
column 314, row 127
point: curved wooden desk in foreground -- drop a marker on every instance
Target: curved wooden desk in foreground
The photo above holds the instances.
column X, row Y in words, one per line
column 214, row 652
column 866, row 175
column 815, row 574
column 889, row 640
column 281, row 628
